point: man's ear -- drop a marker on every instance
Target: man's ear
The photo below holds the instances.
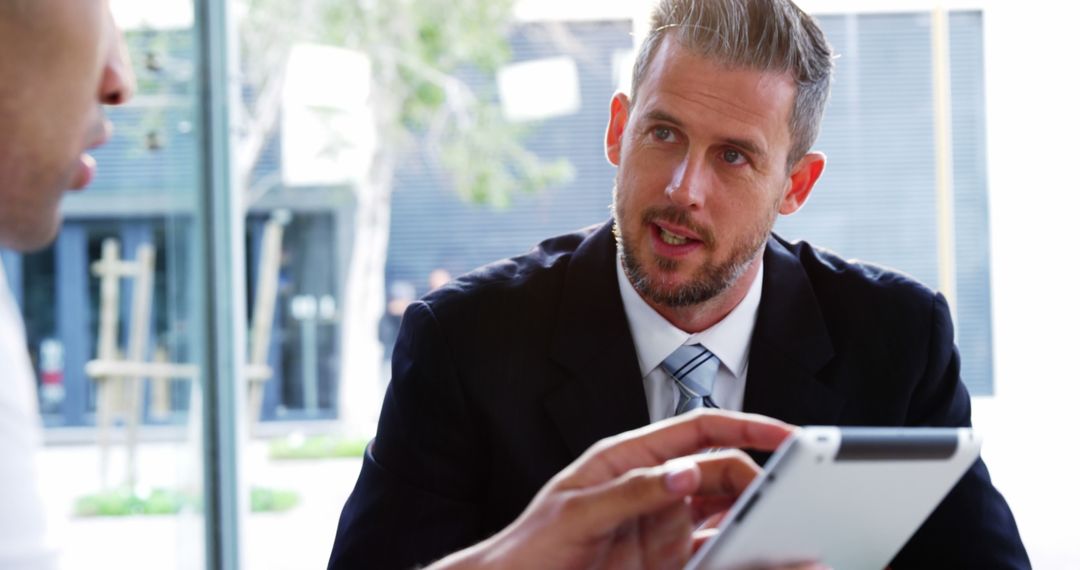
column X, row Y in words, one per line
column 620, row 112
column 801, row 181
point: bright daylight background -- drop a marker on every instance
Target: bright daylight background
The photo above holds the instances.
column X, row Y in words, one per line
column 380, row 147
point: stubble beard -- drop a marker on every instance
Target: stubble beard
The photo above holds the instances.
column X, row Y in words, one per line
column 708, row 282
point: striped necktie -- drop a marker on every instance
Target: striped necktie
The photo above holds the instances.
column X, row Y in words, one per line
column 693, row 368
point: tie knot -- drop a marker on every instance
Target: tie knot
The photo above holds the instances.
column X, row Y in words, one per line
column 693, row 369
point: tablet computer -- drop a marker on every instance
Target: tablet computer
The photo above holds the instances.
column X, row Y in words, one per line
column 845, row 497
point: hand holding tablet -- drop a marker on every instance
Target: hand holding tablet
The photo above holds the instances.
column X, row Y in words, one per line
column 842, row 497
column 847, row 497
column 625, row 503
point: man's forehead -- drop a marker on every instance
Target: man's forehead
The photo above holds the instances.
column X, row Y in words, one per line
column 711, row 58
column 688, row 86
column 676, row 66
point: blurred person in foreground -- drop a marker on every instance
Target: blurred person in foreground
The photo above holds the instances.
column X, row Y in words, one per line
column 60, row 61
column 685, row 299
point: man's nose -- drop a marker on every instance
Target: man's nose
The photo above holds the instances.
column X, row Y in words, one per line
column 118, row 79
column 688, row 183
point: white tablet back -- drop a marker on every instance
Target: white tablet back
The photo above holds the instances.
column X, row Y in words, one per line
column 847, row 497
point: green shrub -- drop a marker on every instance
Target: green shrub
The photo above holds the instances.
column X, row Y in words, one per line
column 265, row 500
column 317, row 447
column 125, row 501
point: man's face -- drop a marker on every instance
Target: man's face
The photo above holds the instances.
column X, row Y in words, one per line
column 702, row 174
column 60, row 61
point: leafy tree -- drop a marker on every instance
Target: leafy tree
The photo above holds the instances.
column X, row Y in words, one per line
column 418, row 50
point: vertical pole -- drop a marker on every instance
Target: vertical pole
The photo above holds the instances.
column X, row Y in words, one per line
column 309, row 357
column 943, row 155
column 138, row 338
column 219, row 238
column 73, row 320
column 108, row 393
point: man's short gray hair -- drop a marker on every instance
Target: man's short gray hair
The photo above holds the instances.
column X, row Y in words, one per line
column 763, row 35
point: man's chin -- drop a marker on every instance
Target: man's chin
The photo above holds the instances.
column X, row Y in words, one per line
column 29, row 237
column 672, row 290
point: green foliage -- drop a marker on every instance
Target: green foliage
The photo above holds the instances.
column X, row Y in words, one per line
column 128, row 502
column 317, row 447
column 264, row 500
column 419, row 49
column 467, row 154
column 162, row 61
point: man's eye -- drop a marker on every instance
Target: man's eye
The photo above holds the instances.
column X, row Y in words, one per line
column 663, row 134
column 731, row 156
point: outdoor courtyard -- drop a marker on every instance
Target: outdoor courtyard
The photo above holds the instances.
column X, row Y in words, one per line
column 297, row 538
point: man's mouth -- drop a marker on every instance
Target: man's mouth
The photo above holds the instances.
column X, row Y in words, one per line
column 674, row 234
column 85, row 171
column 672, row 239
column 87, row 166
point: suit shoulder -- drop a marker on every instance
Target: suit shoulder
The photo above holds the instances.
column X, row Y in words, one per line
column 530, row 281
column 858, row 284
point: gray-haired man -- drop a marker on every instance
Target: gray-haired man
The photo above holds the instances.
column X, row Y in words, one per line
column 504, row 376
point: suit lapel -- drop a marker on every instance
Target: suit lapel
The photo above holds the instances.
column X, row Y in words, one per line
column 790, row 345
column 600, row 392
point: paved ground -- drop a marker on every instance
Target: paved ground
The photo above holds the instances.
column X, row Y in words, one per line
column 297, row 539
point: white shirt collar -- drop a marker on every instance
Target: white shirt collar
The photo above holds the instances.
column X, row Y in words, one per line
column 655, row 338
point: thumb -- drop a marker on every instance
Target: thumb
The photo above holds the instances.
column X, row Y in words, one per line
column 638, row 492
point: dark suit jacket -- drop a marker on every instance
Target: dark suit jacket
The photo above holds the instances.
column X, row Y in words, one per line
column 503, row 377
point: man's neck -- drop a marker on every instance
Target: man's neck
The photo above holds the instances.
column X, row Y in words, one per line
column 696, row 318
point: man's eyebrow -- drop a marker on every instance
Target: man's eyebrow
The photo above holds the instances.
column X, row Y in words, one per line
column 746, row 145
column 658, row 115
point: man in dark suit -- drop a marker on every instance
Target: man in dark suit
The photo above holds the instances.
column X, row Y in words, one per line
column 503, row 377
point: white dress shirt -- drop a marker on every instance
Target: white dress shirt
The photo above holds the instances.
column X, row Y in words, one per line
column 655, row 339
column 23, row 534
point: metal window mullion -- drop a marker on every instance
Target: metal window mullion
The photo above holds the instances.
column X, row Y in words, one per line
column 943, row 157
column 220, row 249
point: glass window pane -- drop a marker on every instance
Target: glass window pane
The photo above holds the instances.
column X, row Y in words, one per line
column 877, row 198
column 363, row 193
column 375, row 168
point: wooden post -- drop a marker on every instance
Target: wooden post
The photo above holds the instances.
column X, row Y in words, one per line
column 109, row 270
column 119, row 393
column 160, row 400
column 262, row 318
column 138, row 335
